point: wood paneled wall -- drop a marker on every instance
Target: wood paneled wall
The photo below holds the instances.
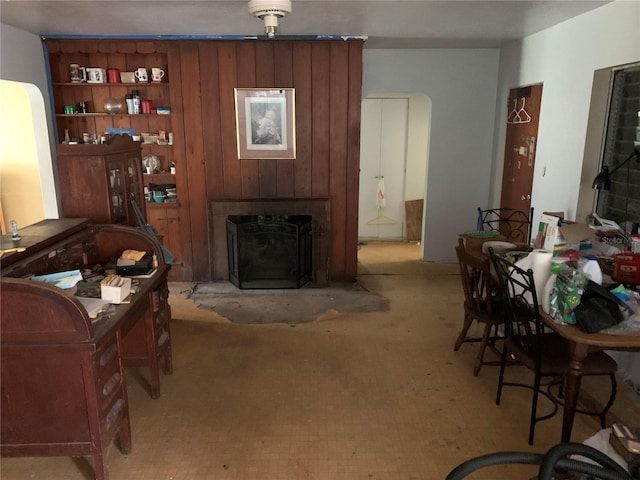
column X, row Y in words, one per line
column 327, row 77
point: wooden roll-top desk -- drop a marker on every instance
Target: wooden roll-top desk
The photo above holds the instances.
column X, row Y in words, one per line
column 63, row 389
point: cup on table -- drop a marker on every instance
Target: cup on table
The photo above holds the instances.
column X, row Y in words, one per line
column 128, row 77
column 142, row 75
column 157, row 74
column 113, row 75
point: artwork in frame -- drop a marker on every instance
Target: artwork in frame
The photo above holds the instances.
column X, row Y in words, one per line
column 265, row 123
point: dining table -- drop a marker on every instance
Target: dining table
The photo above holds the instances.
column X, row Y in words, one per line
column 580, row 344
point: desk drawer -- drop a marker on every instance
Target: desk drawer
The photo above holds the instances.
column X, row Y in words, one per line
column 160, row 298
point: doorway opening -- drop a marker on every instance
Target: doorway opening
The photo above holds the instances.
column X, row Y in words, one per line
column 394, row 159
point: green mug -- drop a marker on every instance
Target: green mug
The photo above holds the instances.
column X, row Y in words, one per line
column 69, row 109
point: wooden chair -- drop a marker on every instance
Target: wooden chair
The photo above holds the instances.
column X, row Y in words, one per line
column 544, row 353
column 515, row 225
column 479, row 303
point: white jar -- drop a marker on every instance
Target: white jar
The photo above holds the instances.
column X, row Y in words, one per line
column 591, row 269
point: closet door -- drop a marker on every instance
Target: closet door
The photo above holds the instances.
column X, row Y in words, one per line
column 383, row 147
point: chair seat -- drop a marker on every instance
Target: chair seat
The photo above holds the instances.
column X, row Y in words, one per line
column 495, row 317
column 555, row 356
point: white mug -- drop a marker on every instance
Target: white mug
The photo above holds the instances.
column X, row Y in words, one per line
column 157, row 74
column 142, row 75
column 96, row 75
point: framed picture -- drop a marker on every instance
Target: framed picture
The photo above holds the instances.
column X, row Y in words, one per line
column 265, row 123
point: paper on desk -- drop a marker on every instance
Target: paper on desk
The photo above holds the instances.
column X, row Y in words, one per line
column 93, row 305
column 62, row 280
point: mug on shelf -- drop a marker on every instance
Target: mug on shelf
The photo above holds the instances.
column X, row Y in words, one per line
column 157, row 74
column 113, row 75
column 96, row 75
column 77, row 73
column 142, row 75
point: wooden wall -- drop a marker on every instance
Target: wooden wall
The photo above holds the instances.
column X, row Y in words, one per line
column 327, row 77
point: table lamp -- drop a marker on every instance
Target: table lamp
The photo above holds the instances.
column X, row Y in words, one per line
column 603, row 180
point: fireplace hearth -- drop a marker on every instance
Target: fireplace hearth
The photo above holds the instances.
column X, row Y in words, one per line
column 269, row 251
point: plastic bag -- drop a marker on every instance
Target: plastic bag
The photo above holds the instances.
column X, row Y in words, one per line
column 599, row 309
column 566, row 294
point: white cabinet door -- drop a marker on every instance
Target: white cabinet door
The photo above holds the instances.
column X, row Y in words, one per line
column 383, row 147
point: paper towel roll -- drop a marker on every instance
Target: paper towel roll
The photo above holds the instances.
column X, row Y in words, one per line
column 539, row 261
column 545, row 301
column 541, row 266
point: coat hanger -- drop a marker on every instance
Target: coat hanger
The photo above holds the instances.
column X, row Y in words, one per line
column 513, row 114
column 381, row 219
column 520, row 115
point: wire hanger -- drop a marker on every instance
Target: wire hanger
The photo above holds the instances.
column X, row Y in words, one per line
column 381, row 219
column 520, row 115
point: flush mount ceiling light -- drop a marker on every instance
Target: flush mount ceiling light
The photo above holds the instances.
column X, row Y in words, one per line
column 269, row 11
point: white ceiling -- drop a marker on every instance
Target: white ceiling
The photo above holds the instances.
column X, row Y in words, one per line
column 387, row 24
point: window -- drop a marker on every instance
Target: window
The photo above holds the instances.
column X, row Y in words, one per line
column 622, row 202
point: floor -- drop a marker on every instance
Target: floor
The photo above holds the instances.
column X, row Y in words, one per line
column 378, row 395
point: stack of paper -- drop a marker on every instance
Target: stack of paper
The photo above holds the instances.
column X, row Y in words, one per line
column 62, row 280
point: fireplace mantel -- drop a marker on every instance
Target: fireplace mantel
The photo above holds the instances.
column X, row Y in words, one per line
column 318, row 208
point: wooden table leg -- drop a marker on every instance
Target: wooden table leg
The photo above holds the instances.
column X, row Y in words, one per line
column 578, row 353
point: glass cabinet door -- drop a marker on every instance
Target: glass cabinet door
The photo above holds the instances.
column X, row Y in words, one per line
column 118, row 197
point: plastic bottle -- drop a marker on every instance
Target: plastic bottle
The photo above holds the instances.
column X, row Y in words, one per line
column 591, row 269
column 15, row 234
column 130, row 107
column 136, row 101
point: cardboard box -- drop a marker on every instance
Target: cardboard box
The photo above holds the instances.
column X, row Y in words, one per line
column 116, row 294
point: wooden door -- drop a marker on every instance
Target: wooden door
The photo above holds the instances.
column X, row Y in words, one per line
column 383, row 148
column 523, row 114
column 166, row 220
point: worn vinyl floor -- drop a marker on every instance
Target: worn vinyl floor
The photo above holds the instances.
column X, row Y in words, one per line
column 378, row 395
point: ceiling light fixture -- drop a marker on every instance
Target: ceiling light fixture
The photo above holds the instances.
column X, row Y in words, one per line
column 269, row 11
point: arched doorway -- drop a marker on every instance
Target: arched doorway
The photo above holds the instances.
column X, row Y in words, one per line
column 395, row 131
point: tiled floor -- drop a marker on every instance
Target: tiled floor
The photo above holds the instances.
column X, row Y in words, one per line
column 356, row 396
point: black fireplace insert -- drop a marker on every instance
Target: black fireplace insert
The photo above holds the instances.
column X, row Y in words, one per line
column 269, row 251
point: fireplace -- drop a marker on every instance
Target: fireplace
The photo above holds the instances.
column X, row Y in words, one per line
column 317, row 208
column 269, row 251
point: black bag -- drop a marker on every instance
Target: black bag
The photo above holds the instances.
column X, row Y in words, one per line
column 599, row 308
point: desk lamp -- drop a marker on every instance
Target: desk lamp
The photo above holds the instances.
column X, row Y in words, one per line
column 603, row 180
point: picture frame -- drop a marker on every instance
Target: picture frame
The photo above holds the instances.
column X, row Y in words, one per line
column 265, row 123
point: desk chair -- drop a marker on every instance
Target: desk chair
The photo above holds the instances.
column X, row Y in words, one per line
column 544, row 353
column 479, row 303
column 513, row 224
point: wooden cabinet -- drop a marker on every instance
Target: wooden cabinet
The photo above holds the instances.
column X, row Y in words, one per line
column 99, row 181
column 63, row 389
column 126, row 56
column 165, row 217
column 148, row 344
